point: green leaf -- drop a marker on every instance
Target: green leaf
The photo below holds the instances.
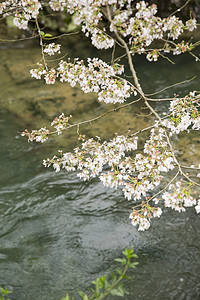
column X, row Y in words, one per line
column 126, row 277
column 47, row 35
column 42, row 33
column 66, row 297
column 128, row 253
column 119, row 259
column 119, row 271
column 133, row 265
column 106, row 285
column 117, row 292
column 102, row 279
column 4, row 291
column 83, row 295
column 114, row 277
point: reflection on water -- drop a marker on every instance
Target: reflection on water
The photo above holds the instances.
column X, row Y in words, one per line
column 58, row 233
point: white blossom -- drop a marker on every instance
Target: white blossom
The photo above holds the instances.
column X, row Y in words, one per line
column 52, row 48
column 197, row 207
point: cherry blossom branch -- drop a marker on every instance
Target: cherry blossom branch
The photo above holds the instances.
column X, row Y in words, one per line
column 113, row 55
column 41, row 43
column 146, row 100
column 99, row 117
column 189, row 179
column 164, row 189
column 159, row 192
column 177, row 163
column 118, row 162
column 69, row 126
column 135, row 78
column 127, row 53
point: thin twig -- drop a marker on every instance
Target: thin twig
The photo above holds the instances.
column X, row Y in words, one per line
column 187, row 167
column 146, row 128
column 160, row 99
column 179, row 9
column 41, row 44
column 155, row 195
column 18, row 40
column 177, row 163
column 170, row 86
column 99, row 117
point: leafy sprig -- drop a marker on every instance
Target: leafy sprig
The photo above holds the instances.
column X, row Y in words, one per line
column 111, row 284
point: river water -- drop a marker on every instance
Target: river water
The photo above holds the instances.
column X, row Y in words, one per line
column 57, row 233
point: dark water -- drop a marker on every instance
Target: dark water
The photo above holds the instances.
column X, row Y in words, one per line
column 58, row 234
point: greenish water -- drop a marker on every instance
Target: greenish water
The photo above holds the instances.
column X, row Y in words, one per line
column 57, row 233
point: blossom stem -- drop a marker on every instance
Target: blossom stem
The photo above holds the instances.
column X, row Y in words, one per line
column 41, row 44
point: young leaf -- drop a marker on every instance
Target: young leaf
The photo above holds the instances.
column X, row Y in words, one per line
column 119, row 260
column 133, row 265
column 83, row 295
column 47, row 35
column 41, row 33
column 66, row 297
column 119, row 271
column 119, row 291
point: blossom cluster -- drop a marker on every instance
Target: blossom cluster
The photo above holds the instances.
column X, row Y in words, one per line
column 88, row 13
column 136, row 174
column 97, row 76
column 60, row 123
column 40, row 135
column 94, row 155
column 50, row 76
column 41, row 71
column 145, row 169
column 179, row 197
column 184, row 114
column 143, row 216
column 57, row 5
column 153, row 55
column 52, row 48
column 144, row 27
column 25, row 10
column 139, row 24
column 182, row 47
column 108, row 160
column 38, row 72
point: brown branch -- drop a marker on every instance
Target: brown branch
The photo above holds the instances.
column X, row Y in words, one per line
column 133, row 72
